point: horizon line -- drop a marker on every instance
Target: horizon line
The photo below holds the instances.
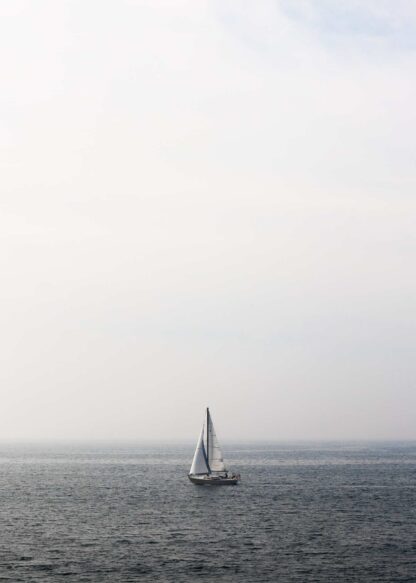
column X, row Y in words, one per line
column 179, row 440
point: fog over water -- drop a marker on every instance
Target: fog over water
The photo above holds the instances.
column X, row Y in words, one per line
column 207, row 203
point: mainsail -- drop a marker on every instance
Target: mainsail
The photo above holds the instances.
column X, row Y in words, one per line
column 214, row 453
column 200, row 463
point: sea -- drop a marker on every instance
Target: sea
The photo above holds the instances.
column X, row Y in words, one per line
column 303, row 512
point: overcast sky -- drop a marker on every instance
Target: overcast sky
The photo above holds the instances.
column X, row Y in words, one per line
column 207, row 203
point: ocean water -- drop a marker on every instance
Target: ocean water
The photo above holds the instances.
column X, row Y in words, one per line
column 303, row 512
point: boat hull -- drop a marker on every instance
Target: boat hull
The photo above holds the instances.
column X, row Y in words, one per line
column 213, row 481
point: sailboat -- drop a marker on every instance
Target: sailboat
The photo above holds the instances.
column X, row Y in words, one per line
column 208, row 468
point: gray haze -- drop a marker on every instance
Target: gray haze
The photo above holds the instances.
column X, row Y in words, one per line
column 207, row 202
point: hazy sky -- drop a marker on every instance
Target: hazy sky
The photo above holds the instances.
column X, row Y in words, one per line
column 207, row 202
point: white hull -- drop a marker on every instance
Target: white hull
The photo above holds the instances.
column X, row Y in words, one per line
column 213, row 480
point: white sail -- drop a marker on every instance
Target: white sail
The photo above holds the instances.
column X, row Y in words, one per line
column 215, row 459
column 199, row 463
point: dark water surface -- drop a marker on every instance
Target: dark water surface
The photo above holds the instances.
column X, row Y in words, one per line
column 303, row 512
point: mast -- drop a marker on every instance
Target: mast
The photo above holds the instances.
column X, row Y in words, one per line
column 208, row 436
